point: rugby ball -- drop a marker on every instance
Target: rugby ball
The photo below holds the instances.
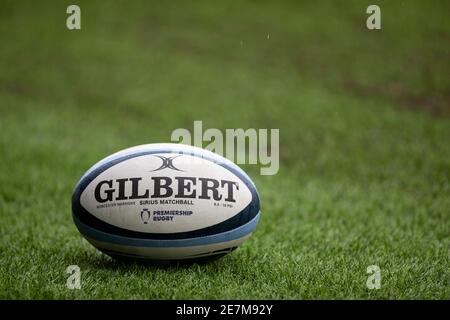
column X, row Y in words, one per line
column 165, row 202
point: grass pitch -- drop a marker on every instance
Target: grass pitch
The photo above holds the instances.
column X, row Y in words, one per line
column 364, row 133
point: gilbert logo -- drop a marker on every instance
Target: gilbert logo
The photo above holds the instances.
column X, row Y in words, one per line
column 167, row 163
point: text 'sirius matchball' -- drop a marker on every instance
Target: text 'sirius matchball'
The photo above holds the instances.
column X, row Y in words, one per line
column 163, row 202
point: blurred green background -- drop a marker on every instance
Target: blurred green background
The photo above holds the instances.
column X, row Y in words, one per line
column 364, row 140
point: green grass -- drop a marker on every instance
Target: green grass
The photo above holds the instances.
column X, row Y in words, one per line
column 364, row 140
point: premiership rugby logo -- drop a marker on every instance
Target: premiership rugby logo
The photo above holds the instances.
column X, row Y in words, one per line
column 145, row 215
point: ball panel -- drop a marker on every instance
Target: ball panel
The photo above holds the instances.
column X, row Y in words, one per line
column 167, row 253
column 157, row 243
column 87, row 218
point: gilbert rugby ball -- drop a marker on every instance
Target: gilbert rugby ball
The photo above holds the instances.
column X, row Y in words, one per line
column 165, row 202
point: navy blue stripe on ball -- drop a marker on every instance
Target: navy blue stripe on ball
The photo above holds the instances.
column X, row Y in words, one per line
column 152, row 243
column 241, row 218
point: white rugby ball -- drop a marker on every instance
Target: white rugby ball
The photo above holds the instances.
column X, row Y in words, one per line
column 165, row 202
